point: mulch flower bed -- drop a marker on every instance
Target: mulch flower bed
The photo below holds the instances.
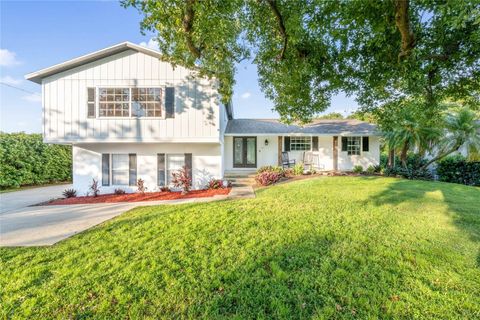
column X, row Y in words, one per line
column 136, row 197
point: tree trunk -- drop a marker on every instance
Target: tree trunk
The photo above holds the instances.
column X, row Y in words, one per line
column 403, row 154
column 439, row 157
column 391, row 158
column 403, row 25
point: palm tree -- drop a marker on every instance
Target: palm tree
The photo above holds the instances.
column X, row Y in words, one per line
column 461, row 129
column 411, row 134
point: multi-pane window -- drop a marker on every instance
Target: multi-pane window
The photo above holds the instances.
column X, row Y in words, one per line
column 114, row 102
column 146, row 102
column 120, row 166
column 126, row 102
column 353, row 145
column 300, row 143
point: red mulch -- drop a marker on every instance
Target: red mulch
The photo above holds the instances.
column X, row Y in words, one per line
column 136, row 197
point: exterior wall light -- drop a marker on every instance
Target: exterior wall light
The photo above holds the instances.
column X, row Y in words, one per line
column 266, row 142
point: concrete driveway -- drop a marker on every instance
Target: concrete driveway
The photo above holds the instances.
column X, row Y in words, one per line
column 23, row 225
column 46, row 225
column 10, row 201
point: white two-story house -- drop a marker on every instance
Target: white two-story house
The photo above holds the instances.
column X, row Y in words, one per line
column 129, row 115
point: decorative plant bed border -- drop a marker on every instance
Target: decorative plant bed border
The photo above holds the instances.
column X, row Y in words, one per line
column 137, row 197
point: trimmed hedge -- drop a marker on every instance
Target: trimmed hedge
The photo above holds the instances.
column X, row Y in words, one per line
column 26, row 160
column 457, row 169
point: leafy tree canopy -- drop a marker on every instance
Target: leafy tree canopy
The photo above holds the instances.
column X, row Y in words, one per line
column 331, row 116
column 382, row 52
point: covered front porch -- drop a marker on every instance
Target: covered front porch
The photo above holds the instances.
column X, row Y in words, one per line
column 248, row 153
column 327, row 145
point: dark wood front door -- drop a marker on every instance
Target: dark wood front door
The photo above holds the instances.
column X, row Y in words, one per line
column 244, row 152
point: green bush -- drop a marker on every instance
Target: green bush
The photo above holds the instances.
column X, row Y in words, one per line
column 26, row 160
column 412, row 171
column 275, row 169
column 357, row 169
column 298, row 169
column 371, row 169
column 457, row 169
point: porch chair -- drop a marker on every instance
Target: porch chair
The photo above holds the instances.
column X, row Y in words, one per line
column 286, row 162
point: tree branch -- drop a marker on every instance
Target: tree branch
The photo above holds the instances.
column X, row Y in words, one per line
column 187, row 22
column 281, row 27
column 403, row 25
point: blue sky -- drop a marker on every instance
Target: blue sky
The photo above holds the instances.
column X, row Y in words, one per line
column 38, row 34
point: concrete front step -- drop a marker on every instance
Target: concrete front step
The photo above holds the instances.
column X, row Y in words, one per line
column 239, row 174
column 240, row 182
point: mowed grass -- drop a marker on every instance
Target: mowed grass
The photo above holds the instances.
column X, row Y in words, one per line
column 337, row 247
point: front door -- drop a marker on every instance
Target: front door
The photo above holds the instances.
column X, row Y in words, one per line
column 244, row 152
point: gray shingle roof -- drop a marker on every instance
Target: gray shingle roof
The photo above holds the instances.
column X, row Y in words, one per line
column 317, row 127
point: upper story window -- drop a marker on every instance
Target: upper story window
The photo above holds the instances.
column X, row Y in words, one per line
column 300, row 143
column 147, row 102
column 114, row 102
column 131, row 102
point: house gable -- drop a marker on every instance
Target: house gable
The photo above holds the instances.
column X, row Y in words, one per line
column 196, row 105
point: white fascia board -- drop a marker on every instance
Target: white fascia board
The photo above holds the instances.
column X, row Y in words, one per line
column 131, row 140
column 37, row 76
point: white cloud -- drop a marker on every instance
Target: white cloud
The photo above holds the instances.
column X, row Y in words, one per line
column 246, row 95
column 11, row 81
column 8, row 58
column 151, row 44
column 34, row 97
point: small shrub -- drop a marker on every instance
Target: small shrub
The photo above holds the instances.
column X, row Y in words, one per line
column 357, row 169
column 298, row 169
column 119, row 191
column 69, row 193
column 215, row 184
column 267, row 178
column 94, row 188
column 141, row 186
column 181, row 179
column 371, row 170
column 276, row 169
column 164, row 189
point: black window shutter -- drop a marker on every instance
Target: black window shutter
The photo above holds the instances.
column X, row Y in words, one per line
column 286, row 143
column 105, row 169
column 365, row 146
column 315, row 143
column 91, row 102
column 170, row 102
column 161, row 169
column 344, row 143
column 188, row 163
column 132, row 169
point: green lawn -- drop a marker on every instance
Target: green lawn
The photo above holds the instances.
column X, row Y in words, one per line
column 337, row 247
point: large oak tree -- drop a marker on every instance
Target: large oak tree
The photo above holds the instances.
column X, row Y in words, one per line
column 307, row 50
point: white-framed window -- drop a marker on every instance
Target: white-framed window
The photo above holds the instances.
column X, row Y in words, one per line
column 174, row 163
column 130, row 102
column 120, row 166
column 113, row 102
column 353, row 145
column 147, row 102
column 300, row 143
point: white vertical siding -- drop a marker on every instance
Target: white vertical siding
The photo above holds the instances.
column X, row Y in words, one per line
column 197, row 114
